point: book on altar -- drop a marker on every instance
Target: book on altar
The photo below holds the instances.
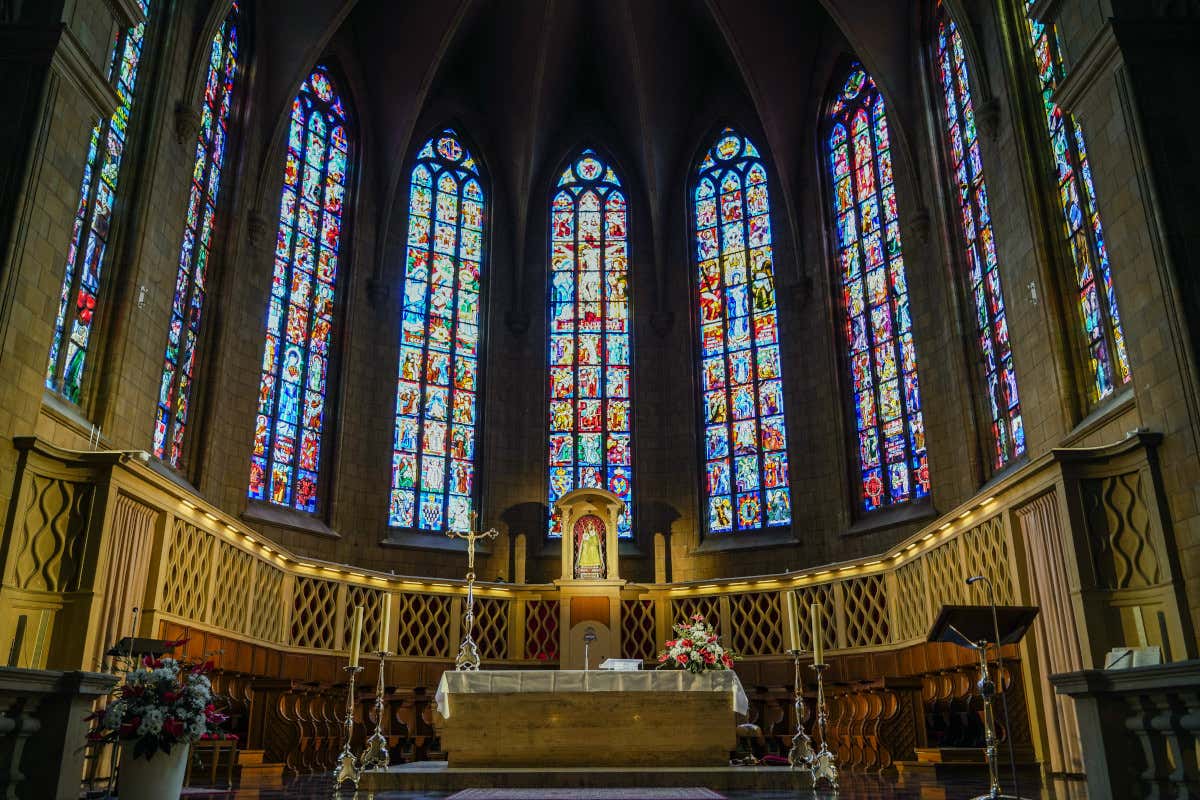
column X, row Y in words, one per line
column 621, row 664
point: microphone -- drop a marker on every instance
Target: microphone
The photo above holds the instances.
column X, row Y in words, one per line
column 975, row 579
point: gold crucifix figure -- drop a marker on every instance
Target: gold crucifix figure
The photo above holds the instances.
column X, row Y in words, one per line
column 468, row 652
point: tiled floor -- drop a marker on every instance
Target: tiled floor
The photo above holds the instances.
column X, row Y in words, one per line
column 854, row 787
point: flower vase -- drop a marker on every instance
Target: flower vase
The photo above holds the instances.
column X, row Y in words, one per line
column 159, row 778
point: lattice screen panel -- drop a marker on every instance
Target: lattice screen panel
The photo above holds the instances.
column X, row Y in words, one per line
column 865, row 604
column 313, row 614
column 491, row 628
column 265, row 601
column 945, row 576
column 708, row 606
column 755, row 618
column 986, row 549
column 424, row 621
column 372, row 602
column 541, row 630
column 232, row 576
column 912, row 613
column 805, row 597
column 185, row 583
column 638, row 629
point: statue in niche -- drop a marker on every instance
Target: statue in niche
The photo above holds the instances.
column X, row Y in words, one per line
column 590, row 561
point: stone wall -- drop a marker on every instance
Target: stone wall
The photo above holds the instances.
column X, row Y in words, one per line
column 776, row 93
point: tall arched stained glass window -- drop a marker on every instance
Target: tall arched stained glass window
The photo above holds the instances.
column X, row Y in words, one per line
column 892, row 462
column 290, row 424
column 745, row 438
column 1008, row 432
column 433, row 454
column 191, row 282
column 590, row 441
column 79, row 298
column 1084, row 231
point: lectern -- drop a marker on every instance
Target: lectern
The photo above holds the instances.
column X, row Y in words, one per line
column 978, row 628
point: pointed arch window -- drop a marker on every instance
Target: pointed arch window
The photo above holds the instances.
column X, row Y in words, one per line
column 1101, row 318
column 79, row 298
column 589, row 356
column 191, row 281
column 893, row 466
column 983, row 271
column 745, row 436
column 290, row 425
column 433, row 454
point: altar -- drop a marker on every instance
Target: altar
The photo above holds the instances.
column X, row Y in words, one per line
column 578, row 718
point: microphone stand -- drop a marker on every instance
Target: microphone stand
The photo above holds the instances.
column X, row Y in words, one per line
column 991, row 593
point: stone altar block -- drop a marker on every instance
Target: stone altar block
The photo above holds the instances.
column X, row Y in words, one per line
column 576, row 718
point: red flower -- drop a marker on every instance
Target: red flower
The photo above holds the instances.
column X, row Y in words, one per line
column 709, row 658
column 129, row 729
column 688, row 643
column 712, row 638
column 681, row 658
column 726, row 660
column 698, row 617
column 170, row 697
column 173, row 727
column 671, row 643
column 662, row 657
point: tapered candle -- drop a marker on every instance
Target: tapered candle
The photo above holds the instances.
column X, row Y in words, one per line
column 356, row 637
column 818, row 634
column 387, row 623
column 792, row 620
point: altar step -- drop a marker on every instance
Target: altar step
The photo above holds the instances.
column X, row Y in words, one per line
column 437, row 776
column 253, row 771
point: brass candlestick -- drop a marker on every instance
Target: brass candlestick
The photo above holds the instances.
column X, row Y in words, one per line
column 376, row 752
column 347, row 769
column 801, row 753
column 823, row 765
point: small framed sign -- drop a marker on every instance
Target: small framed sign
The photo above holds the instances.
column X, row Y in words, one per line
column 622, row 664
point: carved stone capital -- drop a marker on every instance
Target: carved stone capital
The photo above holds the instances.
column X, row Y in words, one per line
column 987, row 114
column 920, row 225
column 377, row 292
column 187, row 124
column 258, row 231
column 516, row 320
column 661, row 322
column 802, row 291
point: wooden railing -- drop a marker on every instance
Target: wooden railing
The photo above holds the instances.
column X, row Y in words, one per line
column 94, row 534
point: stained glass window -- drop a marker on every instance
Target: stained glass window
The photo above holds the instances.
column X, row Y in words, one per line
column 589, row 387
column 191, row 282
column 79, row 298
column 1008, row 432
column 433, row 455
column 893, row 467
column 291, row 399
column 1082, row 226
column 745, row 438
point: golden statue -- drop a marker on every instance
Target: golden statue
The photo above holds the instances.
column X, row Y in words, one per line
column 589, row 548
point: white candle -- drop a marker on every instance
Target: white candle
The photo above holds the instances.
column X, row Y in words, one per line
column 792, row 621
column 387, row 623
column 356, row 636
column 818, row 634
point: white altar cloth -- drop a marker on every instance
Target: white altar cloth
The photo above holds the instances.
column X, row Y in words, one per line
column 549, row 681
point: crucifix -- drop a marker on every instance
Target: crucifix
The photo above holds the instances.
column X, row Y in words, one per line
column 468, row 652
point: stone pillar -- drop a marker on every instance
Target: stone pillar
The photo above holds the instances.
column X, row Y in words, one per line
column 519, row 559
column 43, row 730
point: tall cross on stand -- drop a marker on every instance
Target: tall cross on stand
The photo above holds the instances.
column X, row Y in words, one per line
column 468, row 652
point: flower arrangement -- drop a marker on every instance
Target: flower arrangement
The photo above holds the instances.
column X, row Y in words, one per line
column 162, row 703
column 696, row 648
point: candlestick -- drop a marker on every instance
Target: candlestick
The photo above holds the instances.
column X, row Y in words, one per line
column 792, row 620
column 376, row 752
column 348, row 769
column 823, row 765
column 386, row 628
column 818, row 634
column 356, row 637
column 801, row 753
